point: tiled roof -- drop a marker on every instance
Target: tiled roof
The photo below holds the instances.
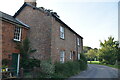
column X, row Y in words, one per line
column 12, row 19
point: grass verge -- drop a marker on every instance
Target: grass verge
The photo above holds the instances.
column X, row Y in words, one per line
column 99, row 63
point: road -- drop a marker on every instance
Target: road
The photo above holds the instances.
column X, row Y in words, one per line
column 98, row 71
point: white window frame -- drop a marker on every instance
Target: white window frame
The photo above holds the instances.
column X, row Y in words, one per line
column 71, row 54
column 78, row 56
column 17, row 34
column 62, row 56
column 62, row 32
column 78, row 41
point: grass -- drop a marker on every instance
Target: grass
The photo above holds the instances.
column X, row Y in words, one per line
column 114, row 66
column 93, row 62
column 99, row 63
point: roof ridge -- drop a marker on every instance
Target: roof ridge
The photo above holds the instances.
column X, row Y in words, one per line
column 10, row 18
column 6, row 13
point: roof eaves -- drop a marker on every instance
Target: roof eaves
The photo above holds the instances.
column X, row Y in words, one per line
column 66, row 26
column 7, row 17
column 22, row 23
column 26, row 26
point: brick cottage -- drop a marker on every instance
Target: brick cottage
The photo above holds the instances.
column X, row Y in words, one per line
column 49, row 35
column 12, row 30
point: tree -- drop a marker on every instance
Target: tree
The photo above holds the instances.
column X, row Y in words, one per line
column 25, row 50
column 109, row 51
column 92, row 54
column 86, row 49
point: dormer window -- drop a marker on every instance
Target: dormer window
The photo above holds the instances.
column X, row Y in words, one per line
column 17, row 34
column 62, row 32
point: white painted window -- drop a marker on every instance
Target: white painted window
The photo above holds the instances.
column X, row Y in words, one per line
column 78, row 56
column 62, row 32
column 70, row 54
column 78, row 41
column 62, row 56
column 17, row 34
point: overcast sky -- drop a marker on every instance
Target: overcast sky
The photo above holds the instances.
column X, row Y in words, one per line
column 94, row 20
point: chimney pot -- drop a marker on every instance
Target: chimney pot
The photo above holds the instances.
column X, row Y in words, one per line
column 32, row 2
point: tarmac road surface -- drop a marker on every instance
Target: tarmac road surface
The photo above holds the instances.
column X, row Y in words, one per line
column 98, row 71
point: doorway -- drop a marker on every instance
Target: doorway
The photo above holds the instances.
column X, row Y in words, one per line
column 15, row 63
column 74, row 56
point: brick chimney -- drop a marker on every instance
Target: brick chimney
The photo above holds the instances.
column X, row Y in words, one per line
column 32, row 2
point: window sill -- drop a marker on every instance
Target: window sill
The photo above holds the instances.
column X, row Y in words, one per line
column 16, row 40
column 78, row 45
column 62, row 38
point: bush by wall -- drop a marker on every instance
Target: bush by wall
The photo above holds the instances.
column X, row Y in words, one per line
column 83, row 62
column 59, row 70
column 47, row 69
column 67, row 69
column 29, row 63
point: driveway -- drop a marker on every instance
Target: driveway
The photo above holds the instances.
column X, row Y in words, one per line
column 98, row 71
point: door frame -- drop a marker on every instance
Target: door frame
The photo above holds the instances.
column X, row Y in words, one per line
column 17, row 63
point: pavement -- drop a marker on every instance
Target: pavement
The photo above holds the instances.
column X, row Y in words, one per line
column 98, row 71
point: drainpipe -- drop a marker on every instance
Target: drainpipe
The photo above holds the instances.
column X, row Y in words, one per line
column 18, row 65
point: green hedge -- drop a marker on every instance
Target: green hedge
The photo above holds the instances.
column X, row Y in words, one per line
column 67, row 69
column 64, row 70
column 57, row 70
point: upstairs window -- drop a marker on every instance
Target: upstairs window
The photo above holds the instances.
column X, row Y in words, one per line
column 62, row 56
column 78, row 41
column 17, row 34
column 62, row 32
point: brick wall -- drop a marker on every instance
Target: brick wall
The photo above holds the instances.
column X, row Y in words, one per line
column 68, row 44
column 0, row 45
column 40, row 31
column 44, row 35
column 8, row 45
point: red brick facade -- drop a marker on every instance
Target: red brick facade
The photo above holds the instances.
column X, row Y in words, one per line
column 8, row 44
column 0, row 44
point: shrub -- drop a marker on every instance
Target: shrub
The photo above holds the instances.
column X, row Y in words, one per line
column 67, row 69
column 29, row 63
column 5, row 62
column 47, row 69
column 70, row 68
column 83, row 61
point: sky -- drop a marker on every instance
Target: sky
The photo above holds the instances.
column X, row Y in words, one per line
column 94, row 20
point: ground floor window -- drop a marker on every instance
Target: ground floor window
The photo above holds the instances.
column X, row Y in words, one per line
column 78, row 56
column 62, row 56
column 71, row 54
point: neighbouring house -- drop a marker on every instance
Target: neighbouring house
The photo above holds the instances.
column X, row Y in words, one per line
column 52, row 38
column 12, row 30
column 49, row 35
